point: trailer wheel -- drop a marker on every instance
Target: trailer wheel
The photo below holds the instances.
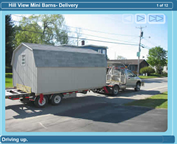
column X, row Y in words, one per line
column 56, row 99
column 138, row 85
column 115, row 90
column 44, row 101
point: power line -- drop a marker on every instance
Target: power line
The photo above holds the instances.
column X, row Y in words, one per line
column 104, row 32
column 96, row 31
column 88, row 34
column 84, row 38
column 104, row 37
column 151, row 42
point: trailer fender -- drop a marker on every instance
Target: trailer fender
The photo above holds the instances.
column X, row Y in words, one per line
column 41, row 97
column 105, row 89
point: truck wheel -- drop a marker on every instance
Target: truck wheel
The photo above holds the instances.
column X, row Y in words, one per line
column 137, row 88
column 56, row 99
column 44, row 102
column 115, row 90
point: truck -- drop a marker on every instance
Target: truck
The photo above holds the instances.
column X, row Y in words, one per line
column 44, row 73
column 118, row 79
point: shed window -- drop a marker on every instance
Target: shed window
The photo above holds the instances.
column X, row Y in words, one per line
column 104, row 52
column 23, row 59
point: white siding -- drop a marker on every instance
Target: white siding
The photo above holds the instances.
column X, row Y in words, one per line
column 57, row 80
column 25, row 74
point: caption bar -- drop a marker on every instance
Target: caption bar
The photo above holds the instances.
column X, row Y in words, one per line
column 87, row 139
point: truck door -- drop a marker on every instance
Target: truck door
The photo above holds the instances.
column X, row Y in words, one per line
column 131, row 79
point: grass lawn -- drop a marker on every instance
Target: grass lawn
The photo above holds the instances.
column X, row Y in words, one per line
column 151, row 76
column 9, row 82
column 156, row 101
column 147, row 77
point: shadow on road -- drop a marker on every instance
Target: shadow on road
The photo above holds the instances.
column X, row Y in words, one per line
column 96, row 108
column 160, row 80
column 129, row 92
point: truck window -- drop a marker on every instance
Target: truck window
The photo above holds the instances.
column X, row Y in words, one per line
column 130, row 73
column 116, row 72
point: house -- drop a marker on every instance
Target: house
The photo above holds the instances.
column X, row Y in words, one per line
column 131, row 64
column 165, row 69
column 99, row 49
column 51, row 69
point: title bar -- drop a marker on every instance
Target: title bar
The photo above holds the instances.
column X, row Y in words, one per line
column 88, row 5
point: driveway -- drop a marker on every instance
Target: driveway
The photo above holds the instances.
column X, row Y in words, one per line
column 91, row 113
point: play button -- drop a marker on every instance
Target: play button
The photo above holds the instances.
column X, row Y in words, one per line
column 140, row 18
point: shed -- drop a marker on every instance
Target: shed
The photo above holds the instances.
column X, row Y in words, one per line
column 49, row 69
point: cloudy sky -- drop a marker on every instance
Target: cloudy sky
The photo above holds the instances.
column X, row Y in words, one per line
column 110, row 30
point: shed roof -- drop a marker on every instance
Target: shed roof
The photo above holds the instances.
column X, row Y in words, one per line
column 58, row 48
column 53, row 56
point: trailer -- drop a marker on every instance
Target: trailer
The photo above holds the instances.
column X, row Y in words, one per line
column 43, row 73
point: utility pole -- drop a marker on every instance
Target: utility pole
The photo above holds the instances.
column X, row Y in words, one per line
column 138, row 54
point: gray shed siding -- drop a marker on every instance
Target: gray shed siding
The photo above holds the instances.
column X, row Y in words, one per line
column 50, row 69
column 24, row 74
column 58, row 80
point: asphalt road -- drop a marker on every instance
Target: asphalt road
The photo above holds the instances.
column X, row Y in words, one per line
column 91, row 113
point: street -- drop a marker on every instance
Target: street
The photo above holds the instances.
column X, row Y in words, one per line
column 92, row 112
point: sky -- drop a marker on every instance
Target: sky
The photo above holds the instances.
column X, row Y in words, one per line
column 111, row 28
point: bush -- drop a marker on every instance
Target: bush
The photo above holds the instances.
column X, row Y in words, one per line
column 8, row 69
column 147, row 70
column 165, row 74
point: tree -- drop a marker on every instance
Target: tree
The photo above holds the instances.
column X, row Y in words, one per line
column 147, row 70
column 157, row 58
column 9, row 39
column 42, row 29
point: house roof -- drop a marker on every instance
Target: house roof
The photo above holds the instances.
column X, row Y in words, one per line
column 83, row 46
column 53, row 56
column 94, row 46
column 126, row 61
